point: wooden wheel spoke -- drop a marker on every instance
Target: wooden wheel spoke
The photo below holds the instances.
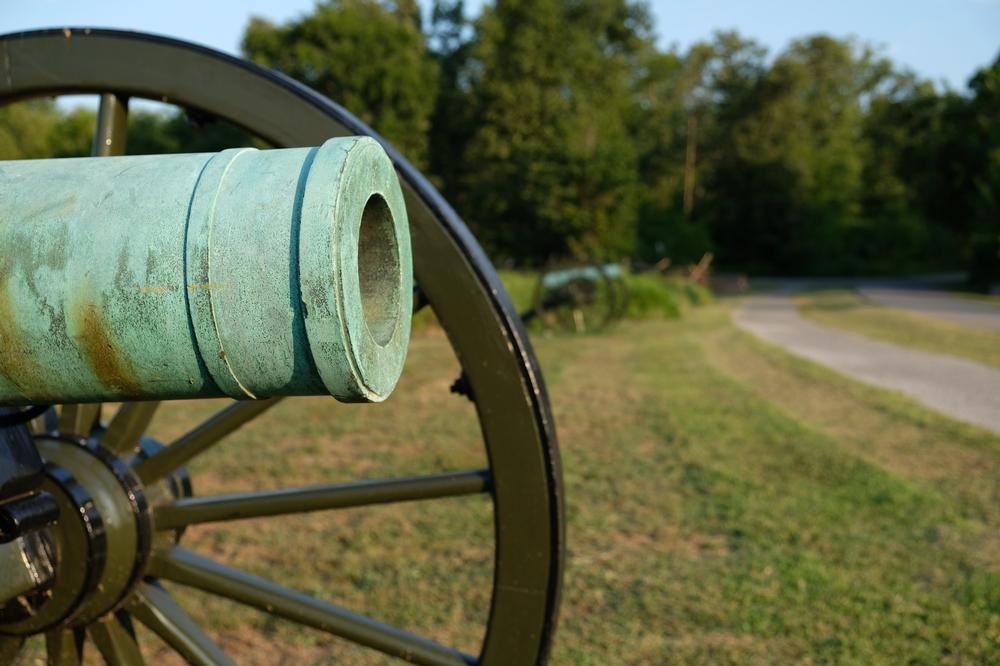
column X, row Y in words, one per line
column 47, row 421
column 200, row 438
column 155, row 608
column 64, row 647
column 79, row 420
column 187, row 568
column 194, row 510
column 112, row 126
column 128, row 425
column 115, row 643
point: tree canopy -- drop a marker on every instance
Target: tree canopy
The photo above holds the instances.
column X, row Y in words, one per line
column 559, row 129
column 369, row 56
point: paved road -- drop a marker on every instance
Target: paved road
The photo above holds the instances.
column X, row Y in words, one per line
column 958, row 388
column 965, row 311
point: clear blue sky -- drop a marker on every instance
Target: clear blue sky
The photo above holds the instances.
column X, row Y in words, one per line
column 945, row 40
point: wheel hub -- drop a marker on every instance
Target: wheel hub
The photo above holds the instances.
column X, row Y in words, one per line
column 101, row 542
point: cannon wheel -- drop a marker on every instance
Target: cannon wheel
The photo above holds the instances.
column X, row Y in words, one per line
column 454, row 277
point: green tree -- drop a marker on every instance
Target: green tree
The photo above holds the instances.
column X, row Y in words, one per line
column 551, row 167
column 908, row 196
column 369, row 56
column 37, row 129
column 151, row 132
column 932, row 176
column 984, row 185
column 450, row 38
column 683, row 105
column 786, row 182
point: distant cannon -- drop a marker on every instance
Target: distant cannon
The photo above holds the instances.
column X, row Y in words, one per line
column 580, row 299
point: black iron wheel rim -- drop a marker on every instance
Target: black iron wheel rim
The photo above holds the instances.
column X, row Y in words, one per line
column 513, row 409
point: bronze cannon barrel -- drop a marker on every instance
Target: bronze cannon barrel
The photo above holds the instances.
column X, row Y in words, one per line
column 243, row 273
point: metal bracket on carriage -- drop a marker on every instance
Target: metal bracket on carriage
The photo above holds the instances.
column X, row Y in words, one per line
column 462, row 386
column 25, row 553
column 23, row 508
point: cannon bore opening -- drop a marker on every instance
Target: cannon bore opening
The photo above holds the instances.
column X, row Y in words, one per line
column 378, row 270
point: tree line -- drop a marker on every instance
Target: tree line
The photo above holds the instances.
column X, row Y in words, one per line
column 558, row 128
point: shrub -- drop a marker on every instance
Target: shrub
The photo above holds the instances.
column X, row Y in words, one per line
column 652, row 296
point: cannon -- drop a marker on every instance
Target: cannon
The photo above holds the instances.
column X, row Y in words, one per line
column 580, row 298
column 291, row 268
column 258, row 275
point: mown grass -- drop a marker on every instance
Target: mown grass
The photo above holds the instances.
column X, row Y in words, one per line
column 725, row 514
column 726, row 504
column 849, row 311
column 992, row 299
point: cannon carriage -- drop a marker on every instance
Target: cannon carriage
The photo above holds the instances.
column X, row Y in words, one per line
column 92, row 509
column 582, row 298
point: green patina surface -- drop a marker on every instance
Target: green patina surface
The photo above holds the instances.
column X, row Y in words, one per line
column 244, row 273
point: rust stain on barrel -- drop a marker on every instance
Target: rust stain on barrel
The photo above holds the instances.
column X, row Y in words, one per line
column 101, row 351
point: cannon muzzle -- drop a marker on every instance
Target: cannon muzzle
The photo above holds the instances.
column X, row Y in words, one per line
column 244, row 273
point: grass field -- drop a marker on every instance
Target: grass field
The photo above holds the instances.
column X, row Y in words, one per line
column 993, row 299
column 847, row 310
column 727, row 504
